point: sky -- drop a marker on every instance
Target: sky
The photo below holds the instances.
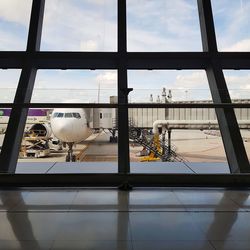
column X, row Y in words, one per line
column 91, row 25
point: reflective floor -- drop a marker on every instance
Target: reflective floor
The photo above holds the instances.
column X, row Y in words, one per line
column 142, row 219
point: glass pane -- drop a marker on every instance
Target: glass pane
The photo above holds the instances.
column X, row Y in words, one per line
column 175, row 141
column 14, row 24
column 8, row 84
column 80, row 25
column 232, row 21
column 75, row 86
column 243, row 119
column 4, row 120
column 69, row 140
column 160, row 86
column 238, row 84
column 163, row 25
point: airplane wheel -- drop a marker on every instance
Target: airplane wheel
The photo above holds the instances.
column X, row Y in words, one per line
column 113, row 139
column 73, row 158
column 67, row 158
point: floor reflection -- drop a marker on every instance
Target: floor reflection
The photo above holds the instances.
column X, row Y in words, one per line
column 20, row 225
column 223, row 222
column 123, row 219
column 120, row 217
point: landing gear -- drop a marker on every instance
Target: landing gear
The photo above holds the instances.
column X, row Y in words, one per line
column 113, row 137
column 70, row 157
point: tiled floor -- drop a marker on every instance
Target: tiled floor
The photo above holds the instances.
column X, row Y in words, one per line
column 142, row 219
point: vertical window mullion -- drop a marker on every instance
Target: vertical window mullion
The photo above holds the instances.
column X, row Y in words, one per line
column 233, row 144
column 16, row 125
column 123, row 138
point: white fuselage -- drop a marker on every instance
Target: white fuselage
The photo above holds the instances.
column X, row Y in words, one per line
column 70, row 125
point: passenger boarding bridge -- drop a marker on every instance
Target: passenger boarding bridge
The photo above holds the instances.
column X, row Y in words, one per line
column 164, row 120
column 186, row 118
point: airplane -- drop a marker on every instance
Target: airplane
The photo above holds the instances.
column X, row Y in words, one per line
column 74, row 125
column 70, row 126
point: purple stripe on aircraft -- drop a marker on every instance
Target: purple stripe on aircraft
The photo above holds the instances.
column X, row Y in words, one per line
column 5, row 112
column 37, row 112
column 32, row 112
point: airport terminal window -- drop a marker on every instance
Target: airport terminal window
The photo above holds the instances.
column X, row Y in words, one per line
column 80, row 25
column 168, row 86
column 14, row 24
column 4, row 121
column 74, row 86
column 243, row 116
column 163, row 25
column 232, row 24
column 90, row 142
column 8, row 84
column 238, row 85
column 179, row 87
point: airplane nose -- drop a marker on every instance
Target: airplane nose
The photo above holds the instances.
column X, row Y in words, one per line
column 70, row 129
column 62, row 130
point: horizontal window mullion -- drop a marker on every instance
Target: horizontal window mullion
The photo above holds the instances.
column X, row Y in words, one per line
column 136, row 105
column 134, row 60
column 136, row 180
column 58, row 105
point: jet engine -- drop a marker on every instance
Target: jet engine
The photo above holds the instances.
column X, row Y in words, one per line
column 40, row 130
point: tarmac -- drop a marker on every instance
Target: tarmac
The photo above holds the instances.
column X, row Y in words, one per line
column 202, row 153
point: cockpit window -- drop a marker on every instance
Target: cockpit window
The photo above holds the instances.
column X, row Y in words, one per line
column 68, row 115
column 76, row 115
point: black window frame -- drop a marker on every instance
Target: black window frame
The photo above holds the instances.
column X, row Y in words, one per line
column 210, row 60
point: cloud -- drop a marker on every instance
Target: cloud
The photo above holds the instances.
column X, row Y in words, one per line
column 197, row 87
column 9, row 78
column 91, row 25
column 197, row 79
column 71, row 26
column 78, row 85
column 184, row 84
column 232, row 24
column 101, row 2
column 89, row 45
column 237, row 80
column 11, row 41
column 243, row 45
column 107, row 79
column 238, row 84
column 8, row 84
column 16, row 11
column 191, row 86
column 163, row 26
